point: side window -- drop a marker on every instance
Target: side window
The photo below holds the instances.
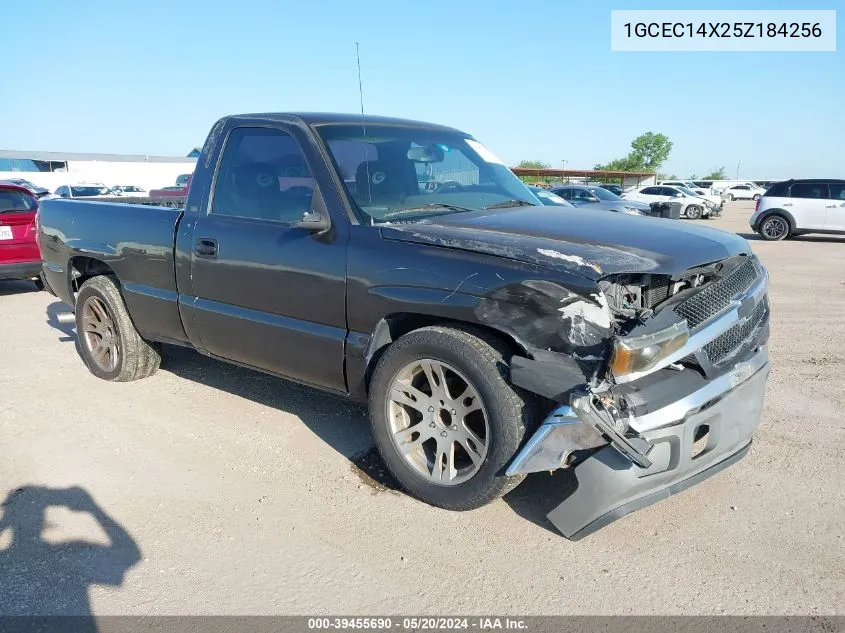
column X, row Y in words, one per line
column 581, row 194
column 837, row 191
column 742, row 187
column 566, row 194
column 809, row 190
column 263, row 174
column 778, row 190
column 651, row 191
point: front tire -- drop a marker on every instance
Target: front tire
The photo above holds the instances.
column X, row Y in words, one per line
column 445, row 417
column 774, row 227
column 110, row 345
column 694, row 212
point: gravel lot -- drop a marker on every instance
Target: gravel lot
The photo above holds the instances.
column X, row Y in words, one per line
column 237, row 493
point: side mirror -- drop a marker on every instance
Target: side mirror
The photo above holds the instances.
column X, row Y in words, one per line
column 313, row 221
column 677, row 194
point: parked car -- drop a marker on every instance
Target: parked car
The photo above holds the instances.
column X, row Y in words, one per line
column 743, row 192
column 492, row 336
column 549, row 198
column 614, row 189
column 693, row 206
column 19, row 256
column 38, row 192
column 167, row 192
column 718, row 186
column 794, row 207
column 598, row 198
column 130, row 190
column 702, row 192
column 685, row 183
column 83, row 190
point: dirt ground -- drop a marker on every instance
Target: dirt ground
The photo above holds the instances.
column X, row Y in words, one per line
column 210, row 489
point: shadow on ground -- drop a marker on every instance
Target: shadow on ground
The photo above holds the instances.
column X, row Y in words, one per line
column 830, row 239
column 66, row 329
column 342, row 424
column 41, row 576
column 16, row 287
column 541, row 493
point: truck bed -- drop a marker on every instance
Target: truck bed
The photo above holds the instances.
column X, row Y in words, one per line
column 134, row 240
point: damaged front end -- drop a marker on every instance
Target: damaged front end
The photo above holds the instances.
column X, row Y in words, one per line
column 674, row 398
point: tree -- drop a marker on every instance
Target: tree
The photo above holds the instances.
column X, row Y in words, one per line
column 533, row 164
column 648, row 152
column 716, row 174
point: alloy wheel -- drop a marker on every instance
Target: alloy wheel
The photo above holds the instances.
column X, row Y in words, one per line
column 100, row 334
column 438, row 422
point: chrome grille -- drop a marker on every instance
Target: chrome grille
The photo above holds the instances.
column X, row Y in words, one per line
column 722, row 347
column 717, row 295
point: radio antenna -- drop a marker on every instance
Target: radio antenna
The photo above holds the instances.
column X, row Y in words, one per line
column 364, row 125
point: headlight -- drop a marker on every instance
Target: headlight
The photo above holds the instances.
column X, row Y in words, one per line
column 631, row 211
column 632, row 355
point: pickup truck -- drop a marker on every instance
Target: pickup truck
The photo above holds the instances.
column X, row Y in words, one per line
column 492, row 336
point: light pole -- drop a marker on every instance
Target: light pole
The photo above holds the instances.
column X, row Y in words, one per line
column 563, row 162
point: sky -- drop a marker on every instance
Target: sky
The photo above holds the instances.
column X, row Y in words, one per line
column 531, row 80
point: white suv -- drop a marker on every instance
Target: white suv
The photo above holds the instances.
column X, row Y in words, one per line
column 800, row 206
column 743, row 192
column 693, row 206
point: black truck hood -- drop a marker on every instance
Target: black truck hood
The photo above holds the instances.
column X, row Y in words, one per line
column 576, row 240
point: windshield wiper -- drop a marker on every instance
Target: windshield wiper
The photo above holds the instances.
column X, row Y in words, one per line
column 433, row 207
column 509, row 203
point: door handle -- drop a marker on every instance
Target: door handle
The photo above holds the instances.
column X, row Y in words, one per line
column 206, row 248
column 787, row 204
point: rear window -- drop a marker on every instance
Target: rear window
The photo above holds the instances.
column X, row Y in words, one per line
column 84, row 192
column 778, row 190
column 814, row 190
column 12, row 201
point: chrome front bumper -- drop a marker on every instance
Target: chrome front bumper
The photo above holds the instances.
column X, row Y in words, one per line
column 611, row 484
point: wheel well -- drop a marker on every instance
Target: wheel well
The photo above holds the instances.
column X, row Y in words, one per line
column 83, row 268
column 786, row 215
column 394, row 326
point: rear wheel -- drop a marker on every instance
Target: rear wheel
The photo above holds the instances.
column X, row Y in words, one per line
column 110, row 345
column 38, row 283
column 730, row 197
column 756, row 197
column 694, row 212
column 774, row 227
column 445, row 417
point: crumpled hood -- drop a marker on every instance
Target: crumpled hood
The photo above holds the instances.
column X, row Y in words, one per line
column 576, row 240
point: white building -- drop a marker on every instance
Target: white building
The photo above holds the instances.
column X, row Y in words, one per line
column 54, row 169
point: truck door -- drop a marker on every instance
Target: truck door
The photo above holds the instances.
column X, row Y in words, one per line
column 268, row 294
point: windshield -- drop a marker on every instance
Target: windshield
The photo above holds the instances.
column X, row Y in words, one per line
column 82, row 192
column 409, row 172
column 687, row 191
column 603, row 194
column 550, row 199
column 13, row 201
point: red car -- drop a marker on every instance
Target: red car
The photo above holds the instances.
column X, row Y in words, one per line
column 19, row 254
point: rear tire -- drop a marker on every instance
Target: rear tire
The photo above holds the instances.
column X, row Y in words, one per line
column 110, row 345
column 756, row 197
column 403, row 398
column 774, row 227
column 39, row 285
column 694, row 212
column 730, row 197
